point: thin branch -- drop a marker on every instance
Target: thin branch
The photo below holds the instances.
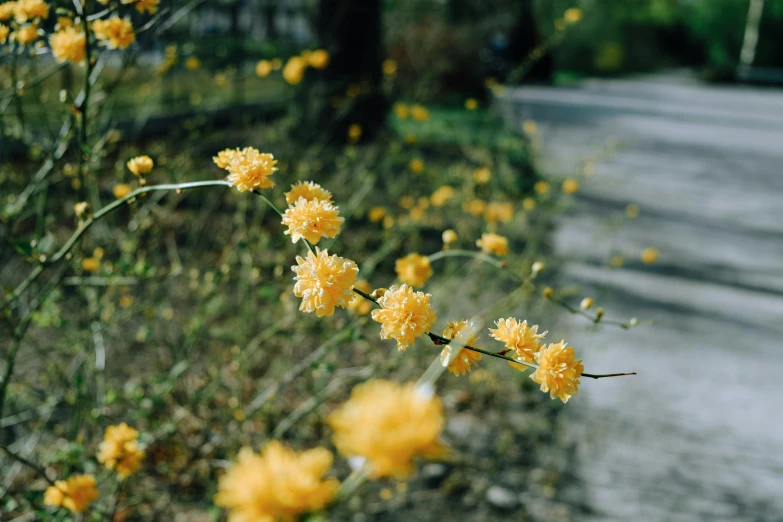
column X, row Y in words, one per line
column 35, row 467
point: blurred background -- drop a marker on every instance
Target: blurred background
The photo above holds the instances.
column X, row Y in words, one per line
column 633, row 146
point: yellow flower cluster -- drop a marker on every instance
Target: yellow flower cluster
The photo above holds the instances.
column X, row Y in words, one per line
column 312, row 220
column 389, row 425
column 493, row 244
column 26, row 10
column 68, row 45
column 461, row 363
column 278, row 484
column 120, row 450
column 413, row 270
column 248, row 169
column 405, row 315
column 324, row 282
column 140, row 165
column 4, row 31
column 115, row 32
column 295, row 67
column 558, row 371
column 523, row 340
column 75, row 494
column 26, row 35
column 307, row 190
column 144, row 6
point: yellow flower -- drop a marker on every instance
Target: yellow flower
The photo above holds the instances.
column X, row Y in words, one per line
column 224, row 157
column 7, row 10
column 360, row 305
column 74, row 494
column 541, row 187
column 474, row 207
column 499, row 211
column 277, row 485
column 461, row 364
column 570, row 186
column 482, row 175
column 312, row 220
column 30, row 9
column 413, row 270
column 529, row 203
column 389, row 424
column 263, row 68
column 90, row 264
column 307, row 190
column 68, row 45
column 193, row 63
column 402, row 111
column 26, row 35
column 389, row 67
column 405, row 315
column 449, row 237
column 142, row 6
column 120, row 450
column 493, row 244
column 441, row 196
column 572, row 15
column 529, row 127
column 294, row 70
column 471, row 104
column 420, row 113
column 121, row 190
column 248, row 169
column 376, row 214
column 80, row 208
column 558, row 372
column 4, row 31
column 523, row 340
column 586, row 303
column 318, row 59
column 140, row 165
column 416, row 165
column 649, row 255
column 324, row 282
column 114, row 33
column 354, row 133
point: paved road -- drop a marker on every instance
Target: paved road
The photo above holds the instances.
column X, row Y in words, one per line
column 698, row 435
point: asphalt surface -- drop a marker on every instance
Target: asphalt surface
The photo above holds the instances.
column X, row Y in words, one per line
column 698, row 434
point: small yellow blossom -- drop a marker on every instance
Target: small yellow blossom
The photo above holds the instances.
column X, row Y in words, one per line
column 420, row 113
column 354, row 133
column 389, row 424
column 120, row 450
column 294, row 70
column 307, row 190
column 358, row 304
column 90, row 264
column 30, row 9
column 114, row 33
column 7, row 10
column 224, row 157
column 312, row 220
column 482, row 175
column 537, row 267
column 529, row 203
column 389, row 67
column 471, row 104
column 499, row 211
column 547, row 292
column 193, row 63
column 407, row 202
column 649, row 255
column 413, row 270
column 26, row 35
column 405, row 315
column 142, row 6
column 410, row 139
column 402, row 111
column 632, row 210
column 558, row 371
column 449, row 237
column 263, row 68
column 121, row 190
column 570, row 186
column 523, row 340
column 586, row 304
column 441, row 196
column 278, row 485
column 4, row 32
column 75, row 494
column 474, row 207
column 318, row 59
column 324, row 282
column 80, row 209
column 530, row 128
column 68, row 45
column 140, row 165
column 248, row 169
column 493, row 244
column 461, row 364
column 376, row 214
column 572, row 15
column 416, row 165
column 541, row 187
